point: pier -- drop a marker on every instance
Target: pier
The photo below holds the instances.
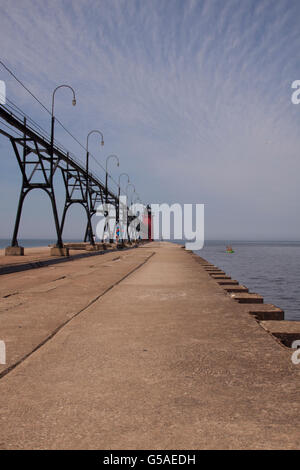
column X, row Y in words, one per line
column 147, row 348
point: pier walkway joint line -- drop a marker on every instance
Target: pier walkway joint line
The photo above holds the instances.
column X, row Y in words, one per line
column 149, row 351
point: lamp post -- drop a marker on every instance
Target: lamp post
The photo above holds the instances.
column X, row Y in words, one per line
column 106, row 179
column 119, row 191
column 134, row 201
column 137, row 198
column 119, row 195
column 87, row 147
column 53, row 117
column 58, row 230
column 106, row 173
column 132, row 185
column 141, row 215
column 87, row 181
column 128, row 181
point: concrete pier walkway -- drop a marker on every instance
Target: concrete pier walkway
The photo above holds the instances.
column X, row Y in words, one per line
column 140, row 352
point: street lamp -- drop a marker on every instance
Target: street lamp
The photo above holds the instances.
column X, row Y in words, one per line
column 140, row 217
column 132, row 185
column 87, row 179
column 59, row 237
column 137, row 198
column 120, row 176
column 87, row 147
column 127, row 203
column 52, row 113
column 106, row 175
column 128, row 181
column 119, row 194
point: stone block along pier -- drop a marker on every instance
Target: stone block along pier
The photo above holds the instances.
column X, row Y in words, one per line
column 150, row 347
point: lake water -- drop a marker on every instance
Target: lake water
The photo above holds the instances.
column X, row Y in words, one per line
column 271, row 269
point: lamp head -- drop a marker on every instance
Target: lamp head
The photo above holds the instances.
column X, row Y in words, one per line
column 74, row 102
column 102, row 142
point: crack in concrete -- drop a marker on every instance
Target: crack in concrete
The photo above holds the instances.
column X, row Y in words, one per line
column 54, row 332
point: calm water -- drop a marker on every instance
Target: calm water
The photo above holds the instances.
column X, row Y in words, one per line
column 271, row 269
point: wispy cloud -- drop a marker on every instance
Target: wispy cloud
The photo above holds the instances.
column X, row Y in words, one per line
column 194, row 96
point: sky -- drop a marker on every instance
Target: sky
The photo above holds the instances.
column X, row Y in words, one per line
column 194, row 96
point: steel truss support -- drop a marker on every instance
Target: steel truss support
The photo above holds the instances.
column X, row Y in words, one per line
column 76, row 193
column 35, row 166
column 98, row 196
column 95, row 197
column 38, row 158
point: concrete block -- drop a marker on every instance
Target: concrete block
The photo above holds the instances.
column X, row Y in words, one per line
column 216, row 273
column 286, row 331
column 247, row 298
column 76, row 246
column 266, row 312
column 14, row 251
column 111, row 246
column 56, row 251
column 227, row 282
column 235, row 289
column 219, row 276
column 92, row 247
